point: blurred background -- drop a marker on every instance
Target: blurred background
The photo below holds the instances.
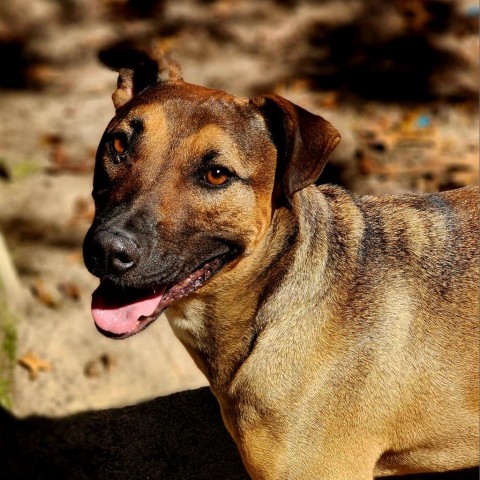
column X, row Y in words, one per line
column 399, row 79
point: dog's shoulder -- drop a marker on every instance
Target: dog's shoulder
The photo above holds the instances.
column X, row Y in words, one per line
column 433, row 229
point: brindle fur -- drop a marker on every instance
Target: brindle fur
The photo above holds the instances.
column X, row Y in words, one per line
column 342, row 341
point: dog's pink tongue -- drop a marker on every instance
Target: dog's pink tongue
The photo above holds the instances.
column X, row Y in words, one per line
column 118, row 312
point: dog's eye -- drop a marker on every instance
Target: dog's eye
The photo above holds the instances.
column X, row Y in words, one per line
column 119, row 146
column 218, row 176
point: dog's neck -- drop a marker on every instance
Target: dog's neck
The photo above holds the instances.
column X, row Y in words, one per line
column 219, row 326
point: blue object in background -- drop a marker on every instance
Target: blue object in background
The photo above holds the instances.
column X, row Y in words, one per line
column 423, row 121
column 473, row 11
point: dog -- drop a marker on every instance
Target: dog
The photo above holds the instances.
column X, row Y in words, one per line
column 338, row 333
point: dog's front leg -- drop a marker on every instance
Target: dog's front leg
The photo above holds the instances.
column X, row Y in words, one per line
column 272, row 454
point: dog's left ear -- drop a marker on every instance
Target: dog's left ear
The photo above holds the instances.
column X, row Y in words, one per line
column 303, row 140
column 138, row 68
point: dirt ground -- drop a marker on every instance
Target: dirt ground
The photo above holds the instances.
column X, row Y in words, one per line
column 398, row 79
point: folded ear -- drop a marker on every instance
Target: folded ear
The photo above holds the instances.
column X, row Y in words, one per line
column 303, row 140
column 138, row 68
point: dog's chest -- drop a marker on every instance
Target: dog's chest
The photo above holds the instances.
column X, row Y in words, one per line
column 189, row 329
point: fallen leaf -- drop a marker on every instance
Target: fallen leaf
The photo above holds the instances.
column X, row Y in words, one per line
column 34, row 365
column 107, row 361
column 92, row 369
column 329, row 100
column 45, row 293
column 100, row 365
column 70, row 290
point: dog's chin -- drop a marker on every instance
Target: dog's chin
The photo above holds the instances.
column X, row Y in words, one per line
column 121, row 311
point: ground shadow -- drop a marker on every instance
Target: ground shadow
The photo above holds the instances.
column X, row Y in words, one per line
column 177, row 437
column 180, row 436
column 364, row 59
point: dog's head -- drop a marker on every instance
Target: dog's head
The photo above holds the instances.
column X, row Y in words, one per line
column 185, row 185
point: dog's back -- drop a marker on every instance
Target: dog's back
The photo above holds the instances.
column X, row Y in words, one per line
column 412, row 303
column 433, row 241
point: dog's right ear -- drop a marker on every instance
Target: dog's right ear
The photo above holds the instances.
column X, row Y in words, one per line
column 138, row 69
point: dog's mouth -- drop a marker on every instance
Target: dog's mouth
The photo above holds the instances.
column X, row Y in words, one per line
column 120, row 312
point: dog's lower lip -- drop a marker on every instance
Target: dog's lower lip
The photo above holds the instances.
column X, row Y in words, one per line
column 120, row 312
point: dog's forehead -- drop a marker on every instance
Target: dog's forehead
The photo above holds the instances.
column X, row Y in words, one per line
column 193, row 118
column 182, row 108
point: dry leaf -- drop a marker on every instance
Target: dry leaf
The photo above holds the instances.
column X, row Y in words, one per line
column 102, row 364
column 70, row 290
column 34, row 365
column 44, row 293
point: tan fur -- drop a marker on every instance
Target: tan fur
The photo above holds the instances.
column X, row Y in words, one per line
column 398, row 368
column 343, row 342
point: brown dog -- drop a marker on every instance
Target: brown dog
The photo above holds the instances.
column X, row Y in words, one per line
column 338, row 333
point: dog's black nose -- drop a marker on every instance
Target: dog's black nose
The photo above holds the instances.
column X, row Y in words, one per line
column 114, row 252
